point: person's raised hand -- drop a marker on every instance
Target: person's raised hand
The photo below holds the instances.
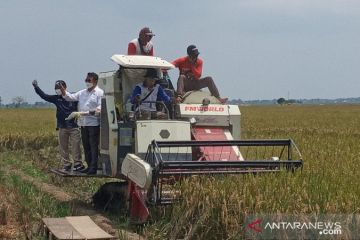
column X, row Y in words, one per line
column 34, row 83
column 62, row 89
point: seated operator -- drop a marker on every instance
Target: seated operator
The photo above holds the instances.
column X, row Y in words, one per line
column 145, row 94
column 190, row 68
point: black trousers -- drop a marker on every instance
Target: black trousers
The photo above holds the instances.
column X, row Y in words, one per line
column 90, row 136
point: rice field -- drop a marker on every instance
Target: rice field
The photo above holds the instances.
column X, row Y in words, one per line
column 328, row 137
column 215, row 207
column 27, row 128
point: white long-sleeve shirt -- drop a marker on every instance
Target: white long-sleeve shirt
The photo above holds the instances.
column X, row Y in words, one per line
column 88, row 101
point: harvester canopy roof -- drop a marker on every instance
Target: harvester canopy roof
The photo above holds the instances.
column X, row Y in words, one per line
column 138, row 61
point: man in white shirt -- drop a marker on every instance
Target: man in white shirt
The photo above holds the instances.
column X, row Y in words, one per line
column 89, row 118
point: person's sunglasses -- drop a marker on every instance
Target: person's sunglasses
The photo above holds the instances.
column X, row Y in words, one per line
column 87, row 80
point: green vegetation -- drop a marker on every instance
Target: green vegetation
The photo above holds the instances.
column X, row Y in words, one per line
column 36, row 203
column 215, row 207
column 328, row 137
column 27, row 128
column 29, row 147
column 27, row 205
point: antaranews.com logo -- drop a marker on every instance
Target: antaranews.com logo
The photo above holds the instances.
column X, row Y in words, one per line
column 304, row 226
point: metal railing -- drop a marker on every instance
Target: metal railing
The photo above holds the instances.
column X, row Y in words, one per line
column 177, row 159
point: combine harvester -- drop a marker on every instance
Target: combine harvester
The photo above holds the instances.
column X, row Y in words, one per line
column 198, row 136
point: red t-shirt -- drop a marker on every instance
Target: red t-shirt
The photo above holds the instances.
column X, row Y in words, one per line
column 186, row 66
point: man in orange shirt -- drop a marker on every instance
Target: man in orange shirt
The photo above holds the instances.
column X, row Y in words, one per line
column 142, row 45
column 190, row 68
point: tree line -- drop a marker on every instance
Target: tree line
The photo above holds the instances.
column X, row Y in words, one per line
column 20, row 102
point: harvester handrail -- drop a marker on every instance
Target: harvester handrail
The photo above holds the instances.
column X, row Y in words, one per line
column 155, row 151
column 220, row 163
column 271, row 142
column 221, row 167
column 166, row 167
column 156, row 146
column 296, row 147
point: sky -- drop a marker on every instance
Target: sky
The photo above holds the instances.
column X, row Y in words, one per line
column 254, row 49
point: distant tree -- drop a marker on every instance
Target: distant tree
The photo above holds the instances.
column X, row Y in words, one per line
column 0, row 101
column 17, row 101
column 281, row 101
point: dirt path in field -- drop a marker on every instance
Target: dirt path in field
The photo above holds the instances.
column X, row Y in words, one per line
column 77, row 207
column 10, row 226
column 52, row 190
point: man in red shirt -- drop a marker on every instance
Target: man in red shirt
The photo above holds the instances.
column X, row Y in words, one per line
column 190, row 72
column 142, row 45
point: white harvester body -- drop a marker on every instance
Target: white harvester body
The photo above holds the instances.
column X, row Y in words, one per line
column 199, row 136
column 119, row 136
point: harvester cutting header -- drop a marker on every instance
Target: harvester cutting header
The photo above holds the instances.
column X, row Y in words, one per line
column 193, row 136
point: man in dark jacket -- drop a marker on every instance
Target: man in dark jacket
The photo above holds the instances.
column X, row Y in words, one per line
column 69, row 132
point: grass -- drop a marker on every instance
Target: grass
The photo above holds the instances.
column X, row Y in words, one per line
column 27, row 121
column 30, row 143
column 27, row 128
column 37, row 203
column 215, row 207
column 19, row 161
column 29, row 205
